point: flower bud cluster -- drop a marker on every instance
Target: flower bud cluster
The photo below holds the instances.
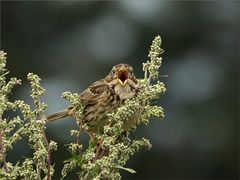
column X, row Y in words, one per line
column 30, row 123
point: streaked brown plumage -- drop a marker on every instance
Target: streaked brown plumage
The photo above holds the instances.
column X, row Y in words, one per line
column 104, row 96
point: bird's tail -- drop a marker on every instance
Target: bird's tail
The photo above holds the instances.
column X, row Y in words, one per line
column 60, row 114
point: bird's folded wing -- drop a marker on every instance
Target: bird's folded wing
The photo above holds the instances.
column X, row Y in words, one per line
column 92, row 92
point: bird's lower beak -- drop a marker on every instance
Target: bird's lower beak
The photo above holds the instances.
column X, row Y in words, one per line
column 122, row 82
column 122, row 76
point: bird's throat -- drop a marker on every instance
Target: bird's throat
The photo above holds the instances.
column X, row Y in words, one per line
column 124, row 92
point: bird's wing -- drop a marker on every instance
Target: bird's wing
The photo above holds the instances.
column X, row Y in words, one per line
column 93, row 91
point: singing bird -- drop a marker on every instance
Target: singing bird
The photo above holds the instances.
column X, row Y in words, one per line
column 102, row 97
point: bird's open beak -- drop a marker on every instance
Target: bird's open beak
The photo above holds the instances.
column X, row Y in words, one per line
column 122, row 75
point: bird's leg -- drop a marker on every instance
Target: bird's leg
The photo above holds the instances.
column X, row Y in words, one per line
column 91, row 135
column 99, row 147
column 99, row 151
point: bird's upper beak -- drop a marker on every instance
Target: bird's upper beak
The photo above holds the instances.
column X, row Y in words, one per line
column 122, row 75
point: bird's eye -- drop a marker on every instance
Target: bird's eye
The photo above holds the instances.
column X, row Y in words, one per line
column 113, row 71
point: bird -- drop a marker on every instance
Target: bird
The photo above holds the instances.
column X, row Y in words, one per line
column 102, row 97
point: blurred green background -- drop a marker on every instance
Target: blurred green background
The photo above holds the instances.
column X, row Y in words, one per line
column 74, row 43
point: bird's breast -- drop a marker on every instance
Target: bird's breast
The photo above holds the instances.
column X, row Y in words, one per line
column 124, row 92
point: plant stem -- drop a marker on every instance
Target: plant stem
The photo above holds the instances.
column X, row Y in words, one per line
column 49, row 156
column 3, row 153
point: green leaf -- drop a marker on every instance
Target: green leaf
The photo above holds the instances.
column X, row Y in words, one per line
column 16, row 168
column 74, row 156
column 126, row 169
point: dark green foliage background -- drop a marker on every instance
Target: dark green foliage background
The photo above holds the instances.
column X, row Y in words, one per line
column 71, row 44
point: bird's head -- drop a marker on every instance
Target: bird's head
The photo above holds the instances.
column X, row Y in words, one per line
column 123, row 81
column 122, row 74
